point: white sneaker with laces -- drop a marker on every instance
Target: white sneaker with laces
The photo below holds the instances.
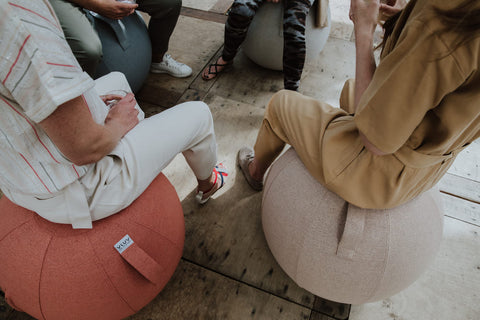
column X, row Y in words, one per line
column 172, row 67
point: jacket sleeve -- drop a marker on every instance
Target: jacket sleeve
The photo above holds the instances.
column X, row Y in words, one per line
column 411, row 80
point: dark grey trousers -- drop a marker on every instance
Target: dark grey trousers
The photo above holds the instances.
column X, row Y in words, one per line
column 295, row 14
column 86, row 45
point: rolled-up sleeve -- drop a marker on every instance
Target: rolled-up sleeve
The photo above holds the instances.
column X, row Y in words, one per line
column 38, row 68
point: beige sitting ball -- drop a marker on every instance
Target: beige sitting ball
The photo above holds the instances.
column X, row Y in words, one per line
column 341, row 252
column 264, row 41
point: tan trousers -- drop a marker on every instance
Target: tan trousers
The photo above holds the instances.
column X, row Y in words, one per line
column 300, row 121
column 327, row 141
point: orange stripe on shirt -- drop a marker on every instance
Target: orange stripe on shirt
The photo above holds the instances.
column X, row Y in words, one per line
column 26, row 9
column 88, row 108
column 61, row 65
column 73, row 166
column 16, row 60
column 33, row 127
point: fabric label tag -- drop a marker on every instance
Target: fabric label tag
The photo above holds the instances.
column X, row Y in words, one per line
column 123, row 244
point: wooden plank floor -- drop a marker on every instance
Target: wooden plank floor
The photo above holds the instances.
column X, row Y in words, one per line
column 227, row 271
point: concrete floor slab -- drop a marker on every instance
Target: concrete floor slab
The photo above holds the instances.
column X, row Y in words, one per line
column 193, row 42
column 245, row 82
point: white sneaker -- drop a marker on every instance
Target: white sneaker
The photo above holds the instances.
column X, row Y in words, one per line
column 172, row 67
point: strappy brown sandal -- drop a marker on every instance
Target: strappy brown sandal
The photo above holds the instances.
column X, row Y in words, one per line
column 212, row 69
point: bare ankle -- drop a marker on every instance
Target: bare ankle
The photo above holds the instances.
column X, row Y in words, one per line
column 223, row 61
column 207, row 184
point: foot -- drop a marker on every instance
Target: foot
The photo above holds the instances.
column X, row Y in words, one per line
column 216, row 68
column 171, row 66
column 245, row 157
column 220, row 173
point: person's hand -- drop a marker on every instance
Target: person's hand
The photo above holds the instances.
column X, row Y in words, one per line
column 110, row 99
column 122, row 116
column 112, row 9
column 364, row 14
column 273, row 0
column 389, row 8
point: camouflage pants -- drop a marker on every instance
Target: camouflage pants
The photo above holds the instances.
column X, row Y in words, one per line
column 295, row 13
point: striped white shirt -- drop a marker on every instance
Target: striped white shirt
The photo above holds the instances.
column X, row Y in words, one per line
column 38, row 72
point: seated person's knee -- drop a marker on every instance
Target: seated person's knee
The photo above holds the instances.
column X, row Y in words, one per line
column 94, row 51
column 90, row 55
column 278, row 100
column 241, row 12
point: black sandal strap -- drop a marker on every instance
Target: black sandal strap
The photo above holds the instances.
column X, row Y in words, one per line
column 216, row 65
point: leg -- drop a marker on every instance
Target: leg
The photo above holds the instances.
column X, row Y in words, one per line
column 294, row 119
column 163, row 19
column 80, row 35
column 146, row 150
column 236, row 27
column 294, row 49
column 186, row 128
